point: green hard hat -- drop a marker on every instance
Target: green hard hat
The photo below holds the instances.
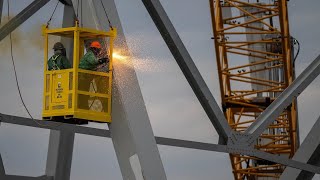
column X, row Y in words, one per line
column 58, row 45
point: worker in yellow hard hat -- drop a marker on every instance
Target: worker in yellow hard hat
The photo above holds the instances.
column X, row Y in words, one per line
column 58, row 60
column 91, row 61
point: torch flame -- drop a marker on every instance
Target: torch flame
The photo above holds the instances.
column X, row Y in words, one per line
column 119, row 56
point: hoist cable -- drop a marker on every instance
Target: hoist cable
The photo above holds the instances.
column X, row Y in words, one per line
column 81, row 14
column 110, row 25
column 16, row 76
column 48, row 23
column 77, row 10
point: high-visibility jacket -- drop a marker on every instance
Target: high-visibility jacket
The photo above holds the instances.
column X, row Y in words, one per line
column 57, row 62
column 89, row 61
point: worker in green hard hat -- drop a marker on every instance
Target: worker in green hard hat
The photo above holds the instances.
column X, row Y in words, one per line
column 59, row 60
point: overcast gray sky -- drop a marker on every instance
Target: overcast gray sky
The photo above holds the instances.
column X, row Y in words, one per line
column 172, row 107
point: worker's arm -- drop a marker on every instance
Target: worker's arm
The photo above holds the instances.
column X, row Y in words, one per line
column 92, row 59
column 88, row 61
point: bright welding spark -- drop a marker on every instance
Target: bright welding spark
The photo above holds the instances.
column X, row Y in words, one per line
column 145, row 64
column 119, row 56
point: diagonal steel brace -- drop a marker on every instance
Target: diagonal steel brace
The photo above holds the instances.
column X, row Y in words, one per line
column 284, row 100
column 25, row 14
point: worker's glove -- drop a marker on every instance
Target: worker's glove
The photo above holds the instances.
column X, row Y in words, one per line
column 103, row 60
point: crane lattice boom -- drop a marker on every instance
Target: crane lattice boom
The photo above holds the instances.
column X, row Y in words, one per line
column 255, row 64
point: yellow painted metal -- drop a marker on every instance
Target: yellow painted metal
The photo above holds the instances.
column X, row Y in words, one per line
column 62, row 96
column 240, row 64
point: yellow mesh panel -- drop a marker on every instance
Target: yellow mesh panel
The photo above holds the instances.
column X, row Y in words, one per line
column 47, row 83
column 47, row 103
column 57, row 107
column 70, row 80
column 93, row 83
column 92, row 103
column 70, row 101
column 92, row 93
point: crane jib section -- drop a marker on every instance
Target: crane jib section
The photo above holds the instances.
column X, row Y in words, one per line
column 254, row 57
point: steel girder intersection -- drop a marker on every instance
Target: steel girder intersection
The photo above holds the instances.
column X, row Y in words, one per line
column 242, row 143
column 236, row 143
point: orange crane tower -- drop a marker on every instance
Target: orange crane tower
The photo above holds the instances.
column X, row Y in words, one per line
column 255, row 64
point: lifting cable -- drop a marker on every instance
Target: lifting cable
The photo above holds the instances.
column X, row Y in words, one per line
column 81, row 14
column 80, row 21
column 105, row 43
column 110, row 25
column 77, row 17
column 48, row 23
column 79, row 3
column 16, row 76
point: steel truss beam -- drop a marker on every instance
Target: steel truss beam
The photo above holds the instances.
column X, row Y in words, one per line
column 103, row 132
column 283, row 101
column 191, row 144
column 14, row 177
column 60, row 150
column 307, row 153
column 21, row 17
column 59, row 157
column 54, row 126
column 163, row 141
column 66, row 2
column 2, row 170
column 1, row 8
column 131, row 131
column 188, row 67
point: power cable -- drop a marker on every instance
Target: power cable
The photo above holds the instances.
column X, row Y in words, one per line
column 16, row 76
column 14, row 68
column 298, row 51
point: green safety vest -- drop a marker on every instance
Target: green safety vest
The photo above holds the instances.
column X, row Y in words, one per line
column 57, row 62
